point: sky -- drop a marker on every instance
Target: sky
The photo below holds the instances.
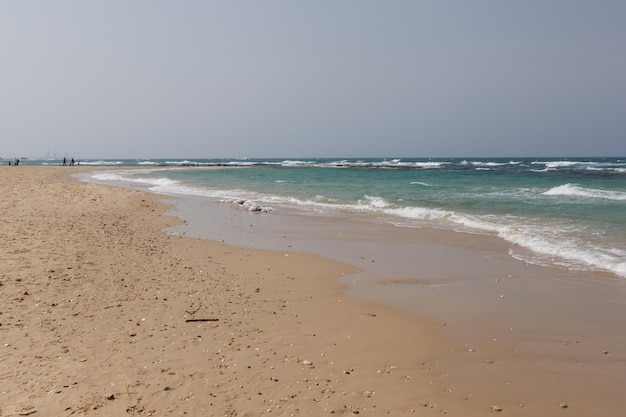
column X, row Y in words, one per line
column 353, row 78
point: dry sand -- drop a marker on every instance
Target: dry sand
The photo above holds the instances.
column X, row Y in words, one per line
column 103, row 314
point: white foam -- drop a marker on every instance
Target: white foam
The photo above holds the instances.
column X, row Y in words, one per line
column 107, row 176
column 557, row 164
column 582, row 165
column 430, row 165
column 101, row 163
column 608, row 169
column 489, row 164
column 578, row 191
column 376, row 202
column 568, row 253
column 125, row 177
column 550, row 243
column 295, row 163
column 419, row 213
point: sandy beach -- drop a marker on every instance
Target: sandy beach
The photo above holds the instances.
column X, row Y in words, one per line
column 105, row 314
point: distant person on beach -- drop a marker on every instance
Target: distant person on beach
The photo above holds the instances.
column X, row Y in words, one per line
column 72, row 162
column 64, row 161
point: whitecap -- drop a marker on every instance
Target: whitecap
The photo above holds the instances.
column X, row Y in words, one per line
column 577, row 191
column 295, row 163
column 375, row 202
column 101, row 163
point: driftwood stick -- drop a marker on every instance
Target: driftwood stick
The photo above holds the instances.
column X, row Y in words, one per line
column 194, row 320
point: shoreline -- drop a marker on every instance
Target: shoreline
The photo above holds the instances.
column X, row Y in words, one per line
column 298, row 345
column 537, row 337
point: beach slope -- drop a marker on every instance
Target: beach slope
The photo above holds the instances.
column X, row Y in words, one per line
column 103, row 314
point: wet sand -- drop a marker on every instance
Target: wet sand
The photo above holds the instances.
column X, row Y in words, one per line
column 531, row 338
column 104, row 314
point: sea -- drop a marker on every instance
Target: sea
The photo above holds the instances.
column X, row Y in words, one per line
column 559, row 212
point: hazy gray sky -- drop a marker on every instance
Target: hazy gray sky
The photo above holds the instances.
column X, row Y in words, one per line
column 206, row 79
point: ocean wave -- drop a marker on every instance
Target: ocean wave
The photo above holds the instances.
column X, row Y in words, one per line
column 571, row 254
column 344, row 163
column 152, row 183
column 608, row 169
column 107, row 176
column 577, row 191
column 548, row 244
column 102, row 163
column 492, row 164
column 600, row 166
column 556, row 164
column 372, row 201
column 296, row 163
column 419, row 213
column 430, row 165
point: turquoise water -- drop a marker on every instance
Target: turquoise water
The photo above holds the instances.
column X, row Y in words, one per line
column 568, row 213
